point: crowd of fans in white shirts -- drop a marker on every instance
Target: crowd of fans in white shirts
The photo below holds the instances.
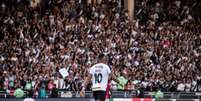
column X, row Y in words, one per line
column 160, row 48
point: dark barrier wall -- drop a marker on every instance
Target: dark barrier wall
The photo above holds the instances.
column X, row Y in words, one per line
column 86, row 99
column 51, row 99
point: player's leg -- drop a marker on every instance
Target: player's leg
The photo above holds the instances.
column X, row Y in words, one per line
column 95, row 94
column 101, row 95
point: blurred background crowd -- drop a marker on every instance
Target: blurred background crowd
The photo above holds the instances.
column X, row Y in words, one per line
column 159, row 49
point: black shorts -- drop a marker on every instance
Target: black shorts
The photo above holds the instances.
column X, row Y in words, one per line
column 99, row 95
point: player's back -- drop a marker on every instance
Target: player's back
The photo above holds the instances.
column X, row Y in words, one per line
column 100, row 75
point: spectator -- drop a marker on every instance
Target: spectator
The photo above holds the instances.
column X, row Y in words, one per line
column 19, row 93
column 54, row 92
column 159, row 94
column 42, row 92
column 29, row 89
column 1, row 88
column 129, row 86
column 199, row 83
column 140, row 93
column 50, row 85
column 181, row 87
column 122, row 81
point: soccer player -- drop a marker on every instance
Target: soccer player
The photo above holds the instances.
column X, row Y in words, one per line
column 99, row 76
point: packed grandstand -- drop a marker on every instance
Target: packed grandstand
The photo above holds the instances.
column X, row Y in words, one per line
column 160, row 48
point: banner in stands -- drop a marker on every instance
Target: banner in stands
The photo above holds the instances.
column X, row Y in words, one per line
column 149, row 99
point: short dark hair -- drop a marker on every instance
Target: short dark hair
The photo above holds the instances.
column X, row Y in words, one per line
column 101, row 56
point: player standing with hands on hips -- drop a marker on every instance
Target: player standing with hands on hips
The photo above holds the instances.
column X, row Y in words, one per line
column 99, row 74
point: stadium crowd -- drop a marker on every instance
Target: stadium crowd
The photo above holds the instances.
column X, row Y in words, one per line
column 161, row 48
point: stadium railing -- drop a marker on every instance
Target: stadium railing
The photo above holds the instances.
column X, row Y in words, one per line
column 119, row 94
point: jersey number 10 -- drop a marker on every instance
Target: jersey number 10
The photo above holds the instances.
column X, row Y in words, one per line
column 98, row 77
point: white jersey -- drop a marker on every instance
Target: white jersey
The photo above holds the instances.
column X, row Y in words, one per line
column 100, row 75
